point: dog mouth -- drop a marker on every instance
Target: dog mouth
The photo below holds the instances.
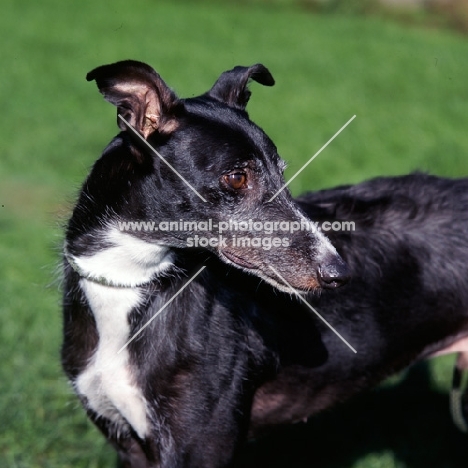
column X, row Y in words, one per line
column 239, row 260
column 262, row 273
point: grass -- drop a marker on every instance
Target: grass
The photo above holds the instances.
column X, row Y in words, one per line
column 408, row 89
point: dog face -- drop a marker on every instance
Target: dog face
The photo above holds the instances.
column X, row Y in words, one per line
column 199, row 173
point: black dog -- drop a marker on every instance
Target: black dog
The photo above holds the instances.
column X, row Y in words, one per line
column 230, row 356
column 180, row 393
column 406, row 300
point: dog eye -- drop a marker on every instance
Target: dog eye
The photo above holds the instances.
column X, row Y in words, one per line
column 236, row 180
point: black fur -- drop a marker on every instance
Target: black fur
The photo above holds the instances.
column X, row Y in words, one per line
column 232, row 356
column 199, row 364
column 406, row 299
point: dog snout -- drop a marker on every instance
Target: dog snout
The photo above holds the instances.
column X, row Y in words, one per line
column 333, row 273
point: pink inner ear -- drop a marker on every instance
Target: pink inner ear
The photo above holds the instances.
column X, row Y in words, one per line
column 150, row 124
column 154, row 122
column 140, row 95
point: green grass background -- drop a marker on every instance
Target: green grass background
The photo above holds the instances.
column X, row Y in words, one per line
column 408, row 88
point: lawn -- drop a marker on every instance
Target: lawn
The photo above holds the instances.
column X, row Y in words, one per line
column 407, row 86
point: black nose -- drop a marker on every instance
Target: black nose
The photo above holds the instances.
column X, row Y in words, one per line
column 333, row 274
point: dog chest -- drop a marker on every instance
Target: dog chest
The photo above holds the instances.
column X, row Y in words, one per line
column 107, row 382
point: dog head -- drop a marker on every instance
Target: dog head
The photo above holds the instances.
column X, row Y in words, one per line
column 200, row 173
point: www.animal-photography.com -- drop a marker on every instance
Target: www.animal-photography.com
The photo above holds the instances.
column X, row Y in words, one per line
column 234, row 234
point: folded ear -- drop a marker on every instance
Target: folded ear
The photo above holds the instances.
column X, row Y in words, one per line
column 141, row 96
column 232, row 86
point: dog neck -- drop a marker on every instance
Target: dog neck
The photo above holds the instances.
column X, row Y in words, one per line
column 124, row 262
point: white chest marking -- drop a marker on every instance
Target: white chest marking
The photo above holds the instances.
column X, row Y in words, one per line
column 108, row 381
column 128, row 260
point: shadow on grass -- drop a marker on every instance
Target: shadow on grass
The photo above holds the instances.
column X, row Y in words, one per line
column 408, row 420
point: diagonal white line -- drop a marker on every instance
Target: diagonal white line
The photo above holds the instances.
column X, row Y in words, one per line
column 161, row 309
column 159, row 155
column 312, row 158
column 312, row 309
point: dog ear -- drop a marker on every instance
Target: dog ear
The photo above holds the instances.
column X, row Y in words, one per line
column 141, row 96
column 231, row 87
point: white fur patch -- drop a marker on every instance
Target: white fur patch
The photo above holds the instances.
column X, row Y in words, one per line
column 129, row 261
column 325, row 249
column 108, row 382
